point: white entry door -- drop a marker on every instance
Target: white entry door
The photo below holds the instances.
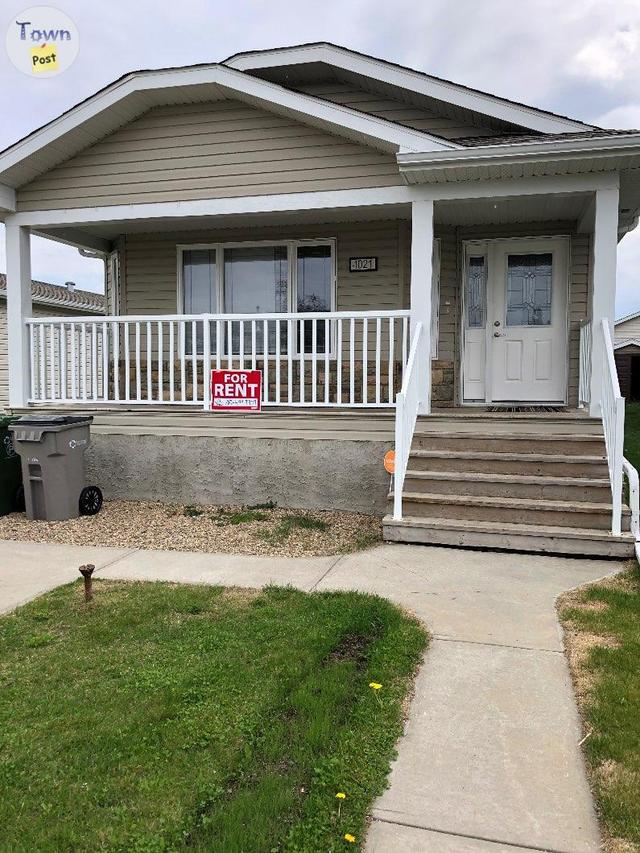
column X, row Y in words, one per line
column 516, row 321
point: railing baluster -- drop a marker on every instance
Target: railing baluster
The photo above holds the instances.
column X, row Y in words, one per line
column 62, row 341
column 339, row 362
column 289, row 361
column 365, row 366
column 314, row 361
column 352, row 361
column 253, row 344
column 183, row 358
column 138, row 364
column 301, row 358
column 32, row 361
column 105, row 362
column 94, row 362
column 241, row 344
column 127, row 361
column 160, row 363
column 115, row 333
column 277, row 355
column 327, row 348
column 172, row 364
column 149, row 364
column 42, row 354
column 265, row 361
column 83, row 356
column 378, row 355
column 229, row 344
column 52, row 362
column 74, row 364
column 194, row 359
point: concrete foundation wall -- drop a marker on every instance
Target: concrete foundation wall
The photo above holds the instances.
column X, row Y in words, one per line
column 301, row 474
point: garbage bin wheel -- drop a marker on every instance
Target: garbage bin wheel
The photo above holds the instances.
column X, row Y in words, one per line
column 90, row 500
column 18, row 501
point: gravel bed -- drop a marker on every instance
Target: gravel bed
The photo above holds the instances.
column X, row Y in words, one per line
column 229, row 529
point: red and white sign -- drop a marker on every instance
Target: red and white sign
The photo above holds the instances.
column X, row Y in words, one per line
column 236, row 390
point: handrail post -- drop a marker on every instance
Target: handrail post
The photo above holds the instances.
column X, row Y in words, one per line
column 398, row 474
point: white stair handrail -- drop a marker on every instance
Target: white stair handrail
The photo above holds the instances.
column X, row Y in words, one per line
column 612, row 410
column 407, row 405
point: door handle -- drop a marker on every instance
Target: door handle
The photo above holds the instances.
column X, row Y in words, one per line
column 497, row 334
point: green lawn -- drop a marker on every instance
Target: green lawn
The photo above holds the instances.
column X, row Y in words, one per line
column 164, row 717
column 632, row 434
column 604, row 620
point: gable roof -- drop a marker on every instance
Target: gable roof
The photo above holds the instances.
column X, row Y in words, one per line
column 409, row 79
column 136, row 92
column 626, row 342
column 44, row 293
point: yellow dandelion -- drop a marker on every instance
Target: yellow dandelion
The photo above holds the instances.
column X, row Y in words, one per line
column 350, row 838
column 341, row 796
column 375, row 686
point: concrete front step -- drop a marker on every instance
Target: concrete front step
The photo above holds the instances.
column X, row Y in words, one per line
column 540, row 464
column 546, row 539
column 510, row 510
column 509, row 486
column 524, row 443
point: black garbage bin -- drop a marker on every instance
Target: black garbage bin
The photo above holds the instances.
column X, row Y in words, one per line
column 10, row 471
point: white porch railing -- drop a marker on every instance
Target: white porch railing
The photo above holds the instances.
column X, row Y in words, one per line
column 612, row 404
column 328, row 359
column 407, row 405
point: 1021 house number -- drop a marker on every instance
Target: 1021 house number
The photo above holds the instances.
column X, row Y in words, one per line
column 363, row 264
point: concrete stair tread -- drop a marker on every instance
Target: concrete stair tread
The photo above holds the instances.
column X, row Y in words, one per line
column 509, row 436
column 508, row 503
column 524, row 479
column 506, row 528
column 495, row 455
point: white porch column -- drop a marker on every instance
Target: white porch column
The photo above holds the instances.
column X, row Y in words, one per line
column 605, row 250
column 18, row 308
column 421, row 281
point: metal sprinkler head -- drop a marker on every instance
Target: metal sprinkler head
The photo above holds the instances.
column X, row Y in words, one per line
column 86, row 572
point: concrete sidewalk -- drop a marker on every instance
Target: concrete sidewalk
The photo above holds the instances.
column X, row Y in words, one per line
column 490, row 759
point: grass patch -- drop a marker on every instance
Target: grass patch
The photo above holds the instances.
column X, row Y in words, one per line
column 602, row 630
column 242, row 517
column 294, row 522
column 166, row 717
column 192, row 512
column 265, row 505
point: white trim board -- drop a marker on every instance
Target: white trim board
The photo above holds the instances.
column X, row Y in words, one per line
column 407, row 78
column 326, row 200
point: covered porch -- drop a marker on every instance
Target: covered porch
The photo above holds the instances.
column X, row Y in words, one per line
column 339, row 299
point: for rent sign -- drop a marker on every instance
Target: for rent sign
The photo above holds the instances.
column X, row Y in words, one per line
column 236, row 390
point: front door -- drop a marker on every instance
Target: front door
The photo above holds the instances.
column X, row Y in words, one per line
column 516, row 321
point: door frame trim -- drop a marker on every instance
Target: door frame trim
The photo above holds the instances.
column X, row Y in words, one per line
column 482, row 246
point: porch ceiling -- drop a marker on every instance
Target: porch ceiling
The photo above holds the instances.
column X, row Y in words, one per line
column 552, row 208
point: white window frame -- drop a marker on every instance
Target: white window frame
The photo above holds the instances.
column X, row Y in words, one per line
column 292, row 294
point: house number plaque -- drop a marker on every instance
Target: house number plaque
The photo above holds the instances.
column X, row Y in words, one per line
column 363, row 264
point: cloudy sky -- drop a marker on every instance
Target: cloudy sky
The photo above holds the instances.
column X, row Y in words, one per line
column 575, row 57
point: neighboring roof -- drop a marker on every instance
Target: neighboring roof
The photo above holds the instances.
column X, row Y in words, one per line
column 408, row 78
column 627, row 342
column 44, row 293
column 631, row 316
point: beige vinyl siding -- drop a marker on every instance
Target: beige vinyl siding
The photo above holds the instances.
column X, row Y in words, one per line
column 627, row 329
column 151, row 263
column 394, row 110
column 216, row 149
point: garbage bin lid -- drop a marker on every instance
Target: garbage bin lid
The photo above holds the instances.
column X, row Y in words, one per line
column 52, row 420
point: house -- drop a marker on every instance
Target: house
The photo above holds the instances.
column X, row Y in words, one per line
column 626, row 345
column 408, row 262
column 48, row 300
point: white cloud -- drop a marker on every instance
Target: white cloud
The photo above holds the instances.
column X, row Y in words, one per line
column 627, row 115
column 609, row 57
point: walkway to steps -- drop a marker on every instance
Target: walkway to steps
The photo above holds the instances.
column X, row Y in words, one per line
column 531, row 482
